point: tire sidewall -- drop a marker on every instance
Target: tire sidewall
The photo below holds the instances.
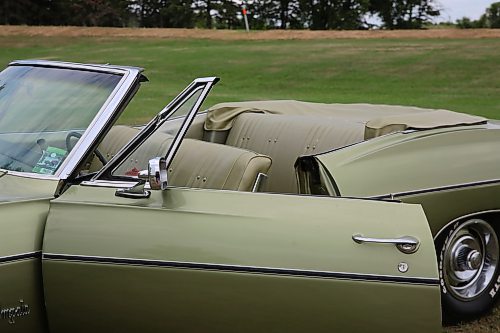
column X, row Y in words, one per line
column 453, row 308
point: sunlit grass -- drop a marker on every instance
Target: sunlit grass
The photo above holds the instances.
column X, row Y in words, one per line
column 461, row 75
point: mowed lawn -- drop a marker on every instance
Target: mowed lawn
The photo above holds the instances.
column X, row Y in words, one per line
column 457, row 74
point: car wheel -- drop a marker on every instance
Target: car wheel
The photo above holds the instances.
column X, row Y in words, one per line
column 469, row 272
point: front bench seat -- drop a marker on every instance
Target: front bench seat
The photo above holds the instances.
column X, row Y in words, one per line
column 197, row 164
column 201, row 164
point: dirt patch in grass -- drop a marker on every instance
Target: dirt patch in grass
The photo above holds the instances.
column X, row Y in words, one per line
column 242, row 35
column 487, row 324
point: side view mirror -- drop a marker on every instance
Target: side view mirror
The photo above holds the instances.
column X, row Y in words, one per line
column 156, row 175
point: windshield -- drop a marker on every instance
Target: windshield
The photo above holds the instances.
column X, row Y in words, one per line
column 44, row 111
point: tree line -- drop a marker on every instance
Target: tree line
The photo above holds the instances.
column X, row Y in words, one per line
column 220, row 14
column 490, row 19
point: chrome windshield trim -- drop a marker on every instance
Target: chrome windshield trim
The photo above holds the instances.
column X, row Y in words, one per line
column 433, row 281
column 31, row 175
column 112, row 69
column 123, row 88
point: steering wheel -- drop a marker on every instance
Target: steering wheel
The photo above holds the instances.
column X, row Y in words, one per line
column 70, row 145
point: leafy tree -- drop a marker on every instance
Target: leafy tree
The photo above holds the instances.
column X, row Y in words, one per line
column 177, row 14
column 227, row 13
column 337, row 14
column 108, row 13
column 466, row 23
column 20, row 12
column 404, row 14
column 490, row 19
column 204, row 10
column 286, row 12
column 263, row 14
column 260, row 14
column 148, row 12
column 163, row 13
column 492, row 16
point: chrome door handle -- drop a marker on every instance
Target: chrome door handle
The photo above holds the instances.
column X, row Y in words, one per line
column 405, row 244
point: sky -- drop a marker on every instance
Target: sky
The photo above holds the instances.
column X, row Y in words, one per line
column 456, row 9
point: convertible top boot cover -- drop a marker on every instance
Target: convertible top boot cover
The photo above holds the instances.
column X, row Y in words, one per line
column 419, row 121
column 378, row 118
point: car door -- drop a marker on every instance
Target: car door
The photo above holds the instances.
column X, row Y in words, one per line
column 197, row 260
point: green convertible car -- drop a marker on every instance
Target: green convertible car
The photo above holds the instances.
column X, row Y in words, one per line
column 268, row 216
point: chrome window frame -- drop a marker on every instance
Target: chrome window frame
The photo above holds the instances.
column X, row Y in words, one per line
column 105, row 175
column 130, row 75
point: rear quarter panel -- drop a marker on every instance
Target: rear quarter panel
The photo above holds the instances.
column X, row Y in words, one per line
column 451, row 172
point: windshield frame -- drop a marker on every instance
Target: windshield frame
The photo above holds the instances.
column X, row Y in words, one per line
column 127, row 85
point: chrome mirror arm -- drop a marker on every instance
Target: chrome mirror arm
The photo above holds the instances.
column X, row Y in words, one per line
column 156, row 175
column 135, row 192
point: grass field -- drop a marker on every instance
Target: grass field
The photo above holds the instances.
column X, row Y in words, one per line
column 457, row 74
column 421, row 69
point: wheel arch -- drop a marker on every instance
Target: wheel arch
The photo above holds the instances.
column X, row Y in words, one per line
column 492, row 216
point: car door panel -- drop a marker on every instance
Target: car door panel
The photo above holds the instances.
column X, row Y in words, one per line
column 190, row 260
column 120, row 298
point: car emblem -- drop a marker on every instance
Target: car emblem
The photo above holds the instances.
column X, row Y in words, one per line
column 11, row 313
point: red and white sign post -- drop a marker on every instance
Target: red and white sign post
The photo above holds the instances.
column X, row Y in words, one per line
column 244, row 11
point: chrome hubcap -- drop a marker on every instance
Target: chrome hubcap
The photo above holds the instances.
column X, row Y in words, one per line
column 470, row 259
column 474, row 260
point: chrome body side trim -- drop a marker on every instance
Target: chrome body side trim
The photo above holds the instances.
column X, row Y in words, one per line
column 435, row 189
column 241, row 269
column 394, row 196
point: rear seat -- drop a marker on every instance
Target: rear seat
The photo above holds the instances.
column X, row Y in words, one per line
column 285, row 138
column 197, row 163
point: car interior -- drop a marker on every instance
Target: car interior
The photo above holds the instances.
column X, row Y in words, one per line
column 256, row 151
